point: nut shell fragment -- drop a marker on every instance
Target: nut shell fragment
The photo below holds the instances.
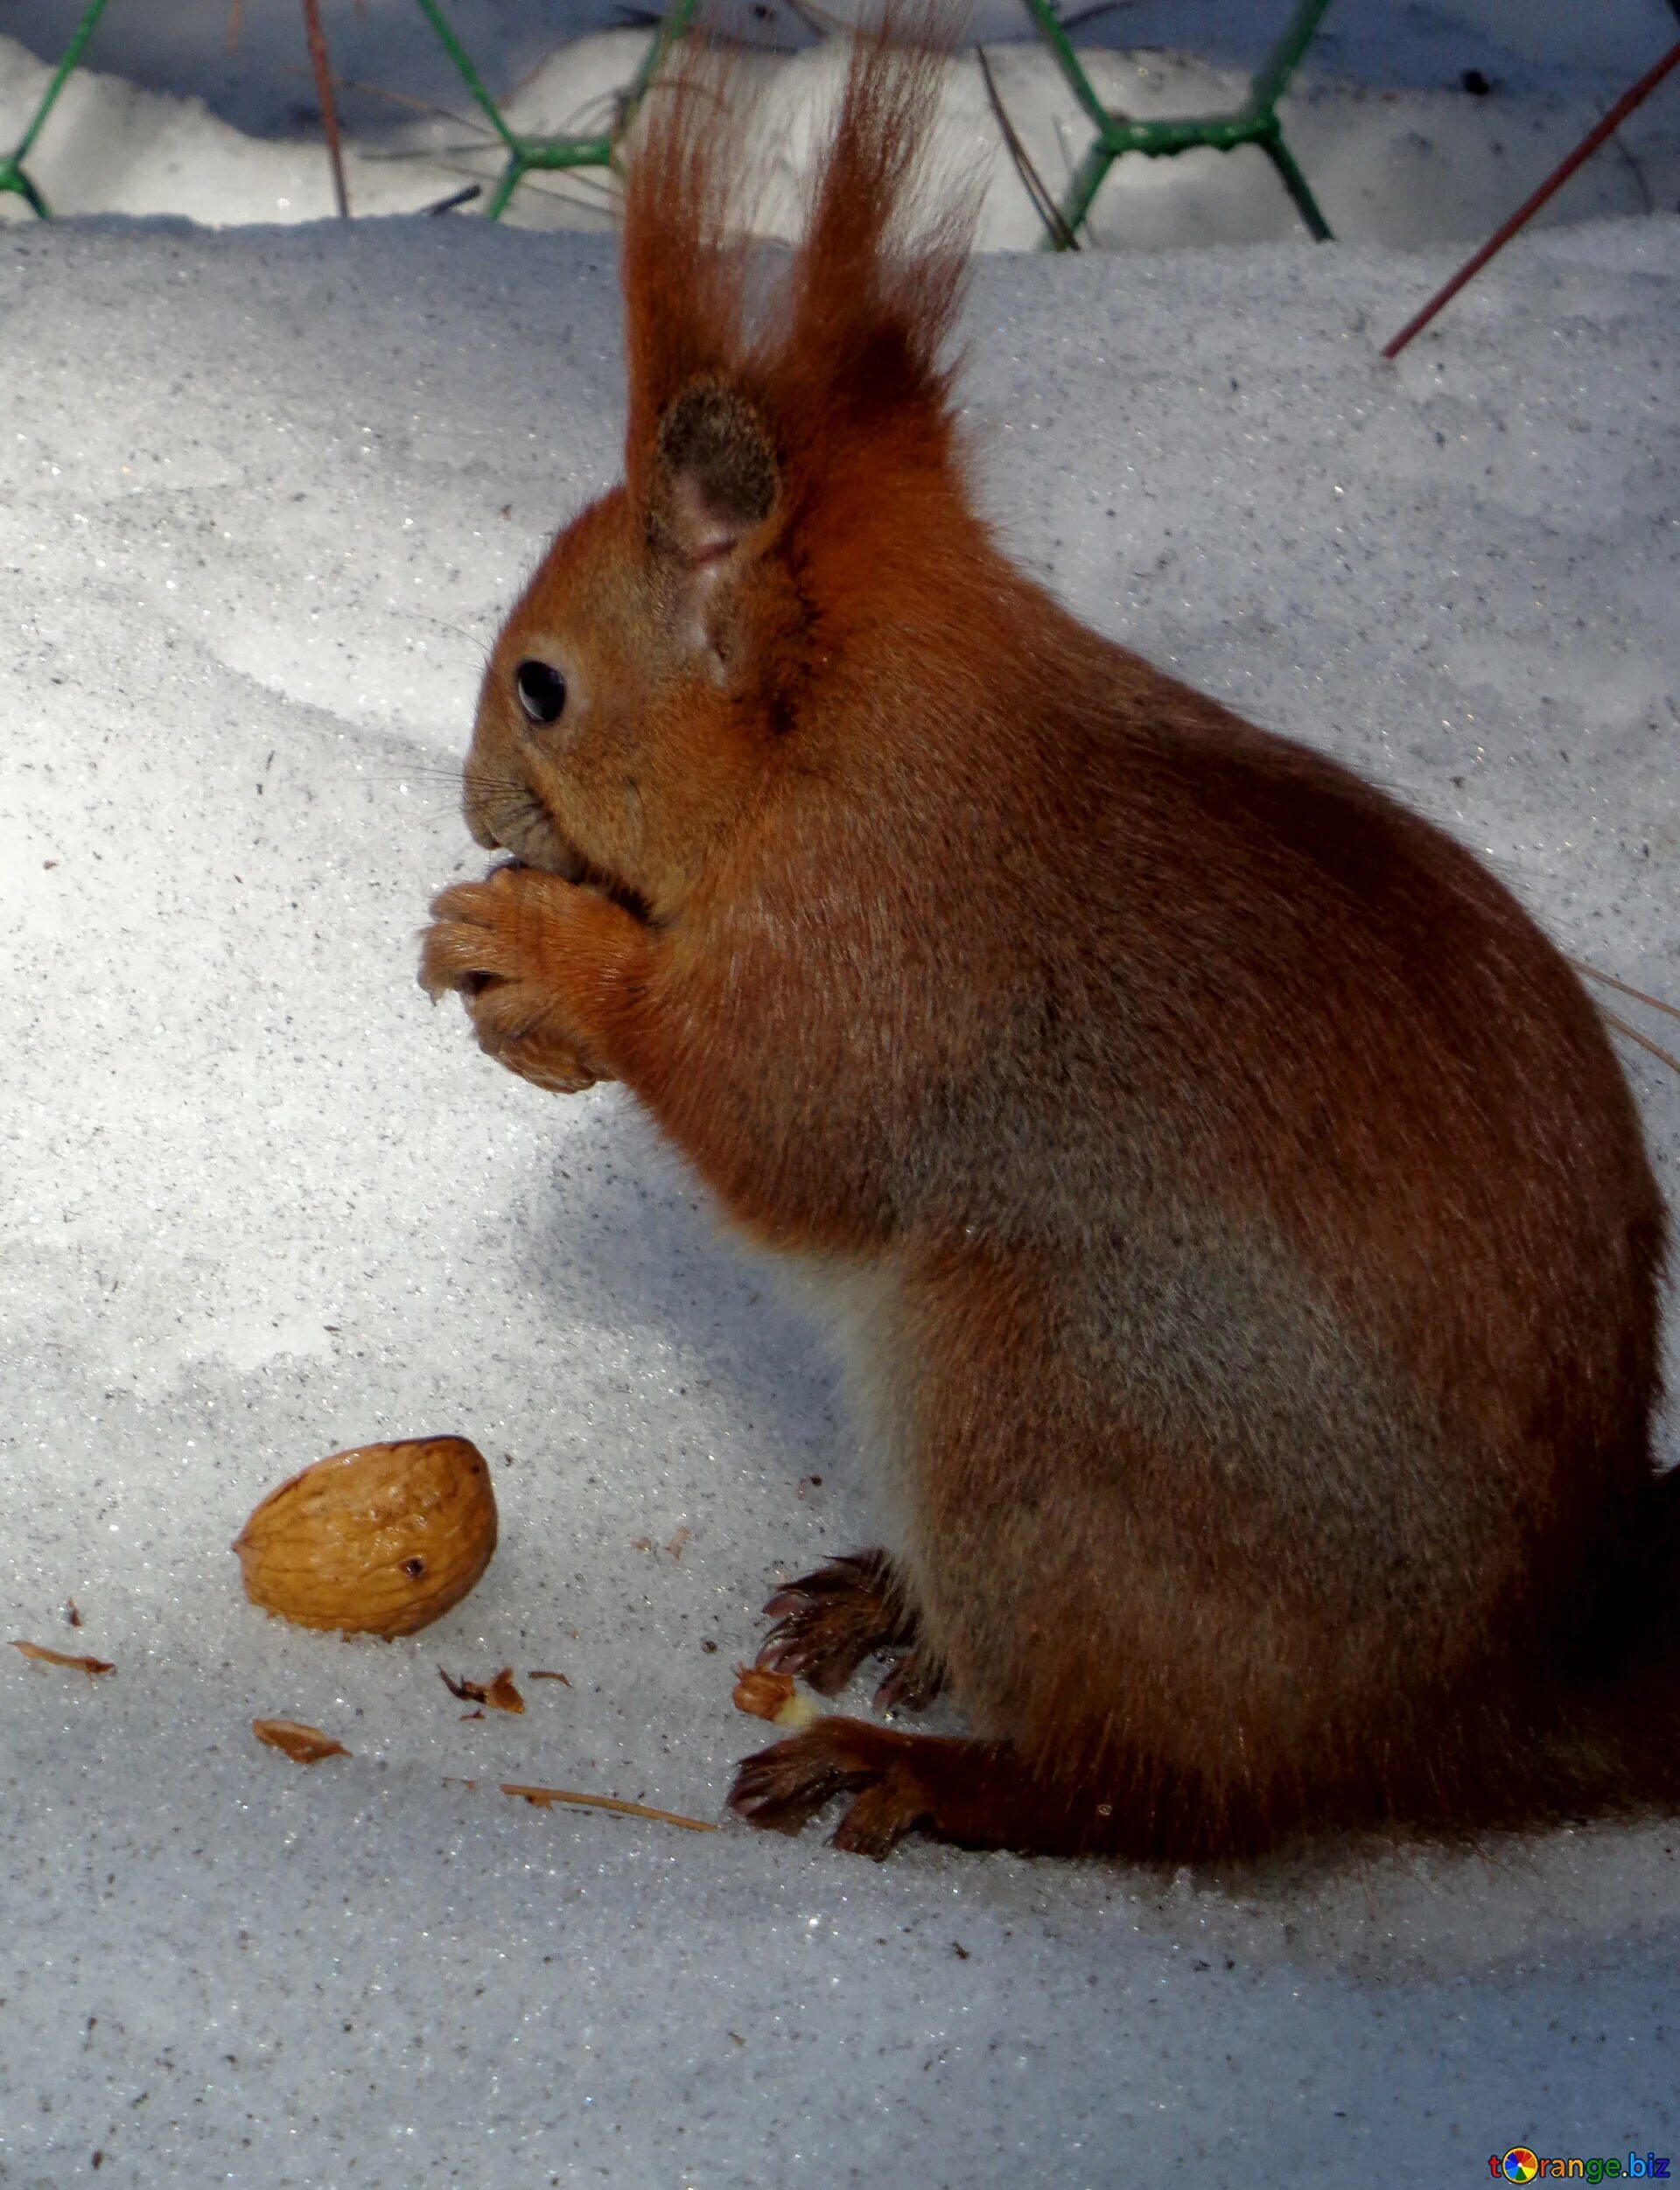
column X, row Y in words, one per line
column 303, row 1745
column 500, row 1694
column 763, row 1694
column 379, row 1540
column 38, row 1651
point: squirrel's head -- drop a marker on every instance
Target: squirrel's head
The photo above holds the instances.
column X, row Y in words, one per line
column 777, row 466
column 620, row 722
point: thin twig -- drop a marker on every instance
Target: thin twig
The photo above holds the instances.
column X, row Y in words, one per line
column 410, row 155
column 1639, row 995
column 544, row 1795
column 1627, row 989
column 1045, row 206
column 581, row 190
column 1554, row 182
column 406, row 99
column 324, row 92
column 464, row 196
column 1644, row 1040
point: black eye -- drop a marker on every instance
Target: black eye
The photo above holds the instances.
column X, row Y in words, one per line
column 542, row 691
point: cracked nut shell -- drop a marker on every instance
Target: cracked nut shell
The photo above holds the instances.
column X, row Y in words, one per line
column 380, row 1540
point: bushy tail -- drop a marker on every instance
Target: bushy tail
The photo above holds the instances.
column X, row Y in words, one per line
column 1616, row 1745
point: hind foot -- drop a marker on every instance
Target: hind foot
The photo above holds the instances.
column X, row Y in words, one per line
column 829, row 1622
column 974, row 1793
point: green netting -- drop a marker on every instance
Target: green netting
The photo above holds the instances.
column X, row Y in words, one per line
column 1255, row 123
column 13, row 174
column 525, row 155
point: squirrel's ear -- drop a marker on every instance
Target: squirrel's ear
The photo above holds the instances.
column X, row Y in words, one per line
column 716, row 479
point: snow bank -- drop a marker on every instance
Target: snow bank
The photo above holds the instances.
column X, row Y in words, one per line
column 263, row 495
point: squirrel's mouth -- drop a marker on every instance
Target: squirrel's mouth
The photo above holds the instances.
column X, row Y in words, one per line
column 520, row 825
column 557, row 855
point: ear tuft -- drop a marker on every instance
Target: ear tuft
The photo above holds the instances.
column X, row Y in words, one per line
column 717, row 477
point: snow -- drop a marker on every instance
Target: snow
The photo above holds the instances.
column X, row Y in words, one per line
column 264, row 493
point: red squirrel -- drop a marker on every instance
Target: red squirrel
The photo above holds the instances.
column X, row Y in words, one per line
column 1242, row 1232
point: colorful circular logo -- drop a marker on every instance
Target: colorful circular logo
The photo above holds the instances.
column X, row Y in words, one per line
column 1519, row 2165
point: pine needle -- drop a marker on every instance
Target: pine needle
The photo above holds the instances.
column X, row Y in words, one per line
column 544, row 1795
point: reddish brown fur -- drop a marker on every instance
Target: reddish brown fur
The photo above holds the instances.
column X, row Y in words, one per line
column 1242, row 1227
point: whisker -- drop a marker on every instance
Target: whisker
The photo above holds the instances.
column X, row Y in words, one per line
column 437, row 779
column 481, row 645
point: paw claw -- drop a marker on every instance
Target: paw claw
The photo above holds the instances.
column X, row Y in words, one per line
column 826, row 1623
column 781, row 1791
column 789, row 1650
column 784, row 1604
column 910, row 1685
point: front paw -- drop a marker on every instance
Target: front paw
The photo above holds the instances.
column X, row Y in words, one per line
column 494, row 942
